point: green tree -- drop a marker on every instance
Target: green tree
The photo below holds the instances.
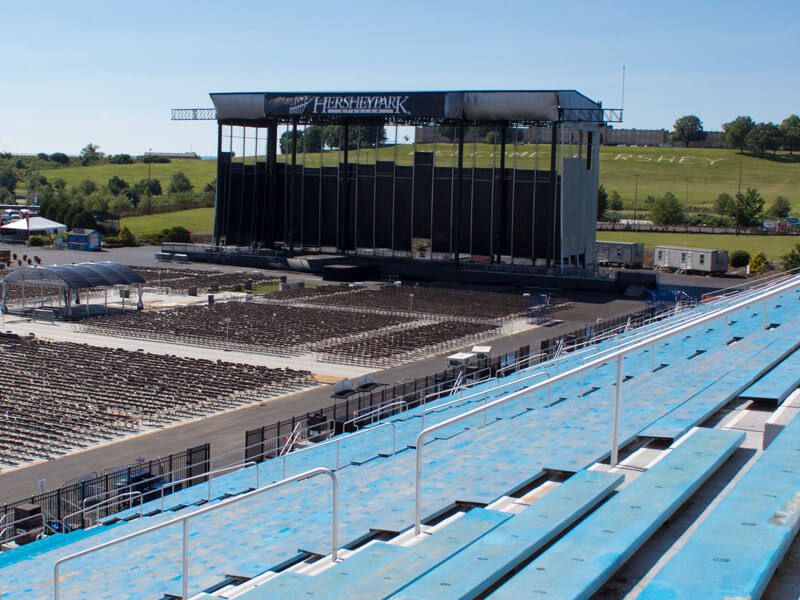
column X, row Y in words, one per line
column 142, row 187
column 779, row 209
column 285, row 141
column 725, row 205
column 759, row 264
column 791, row 260
column 120, row 159
column 60, row 158
column 667, row 210
column 8, row 180
column 116, row 185
column 615, row 201
column 748, row 208
column 790, row 133
column 736, row 132
column 85, row 220
column 764, row 136
column 59, row 183
column 602, row 202
column 90, row 155
column 688, row 129
column 179, row 183
column 86, row 187
column 312, row 139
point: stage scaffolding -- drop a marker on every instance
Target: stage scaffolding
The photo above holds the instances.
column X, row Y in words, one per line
column 525, row 195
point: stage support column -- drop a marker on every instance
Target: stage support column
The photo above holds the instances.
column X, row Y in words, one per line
column 290, row 235
column 272, row 158
column 551, row 247
column 499, row 216
column 460, row 189
column 344, row 205
column 215, row 237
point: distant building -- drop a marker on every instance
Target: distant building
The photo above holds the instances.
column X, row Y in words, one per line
column 84, row 239
column 175, row 155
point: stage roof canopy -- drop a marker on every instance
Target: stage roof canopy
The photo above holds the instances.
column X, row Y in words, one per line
column 409, row 107
column 76, row 276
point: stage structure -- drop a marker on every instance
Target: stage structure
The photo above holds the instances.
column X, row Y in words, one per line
column 327, row 172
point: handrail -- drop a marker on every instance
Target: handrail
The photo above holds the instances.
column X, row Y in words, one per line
column 185, row 520
column 337, row 441
column 618, row 354
column 99, row 505
column 472, row 383
column 517, row 363
column 375, row 410
column 244, row 465
column 766, row 279
column 485, row 395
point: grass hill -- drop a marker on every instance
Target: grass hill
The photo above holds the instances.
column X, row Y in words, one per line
column 707, row 172
column 199, row 172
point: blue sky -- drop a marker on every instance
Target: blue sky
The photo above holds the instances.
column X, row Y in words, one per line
column 109, row 72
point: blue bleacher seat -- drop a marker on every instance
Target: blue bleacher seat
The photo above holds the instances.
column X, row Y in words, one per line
column 735, row 550
column 778, row 383
column 479, row 565
column 579, row 563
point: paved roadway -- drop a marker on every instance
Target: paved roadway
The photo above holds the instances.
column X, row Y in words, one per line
column 226, row 431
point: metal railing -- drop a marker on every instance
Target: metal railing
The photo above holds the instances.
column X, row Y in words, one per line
column 484, row 394
column 376, row 411
column 172, row 484
column 184, row 519
column 338, row 441
column 618, row 354
column 97, row 507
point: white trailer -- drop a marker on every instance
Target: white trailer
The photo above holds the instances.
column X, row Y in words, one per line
column 690, row 260
column 619, row 253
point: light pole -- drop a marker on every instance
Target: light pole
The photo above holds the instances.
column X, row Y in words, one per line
column 411, row 302
column 149, row 164
column 635, row 198
column 686, row 202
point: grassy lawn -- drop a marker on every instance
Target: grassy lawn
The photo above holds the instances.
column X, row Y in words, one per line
column 707, row 172
column 774, row 246
column 702, row 172
column 199, row 172
column 196, row 220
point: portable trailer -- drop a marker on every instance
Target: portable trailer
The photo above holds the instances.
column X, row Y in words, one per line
column 619, row 253
column 690, row 260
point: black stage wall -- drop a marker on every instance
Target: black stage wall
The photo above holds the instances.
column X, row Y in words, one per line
column 386, row 207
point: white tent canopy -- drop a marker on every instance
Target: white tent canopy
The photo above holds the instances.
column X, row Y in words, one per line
column 19, row 230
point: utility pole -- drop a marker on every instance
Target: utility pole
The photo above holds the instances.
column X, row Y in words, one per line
column 635, row 199
column 149, row 165
column 738, row 197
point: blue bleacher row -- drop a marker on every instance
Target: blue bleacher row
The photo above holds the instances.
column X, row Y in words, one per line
column 471, row 462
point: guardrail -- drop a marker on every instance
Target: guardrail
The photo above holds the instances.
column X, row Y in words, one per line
column 184, row 519
column 338, row 441
column 208, row 474
column 618, row 354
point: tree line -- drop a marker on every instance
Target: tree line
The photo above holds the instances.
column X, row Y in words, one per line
column 746, row 209
column 744, row 133
column 316, row 138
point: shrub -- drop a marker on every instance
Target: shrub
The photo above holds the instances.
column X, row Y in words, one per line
column 177, row 234
column 126, row 238
column 39, row 240
column 759, row 264
column 155, row 238
column 739, row 258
